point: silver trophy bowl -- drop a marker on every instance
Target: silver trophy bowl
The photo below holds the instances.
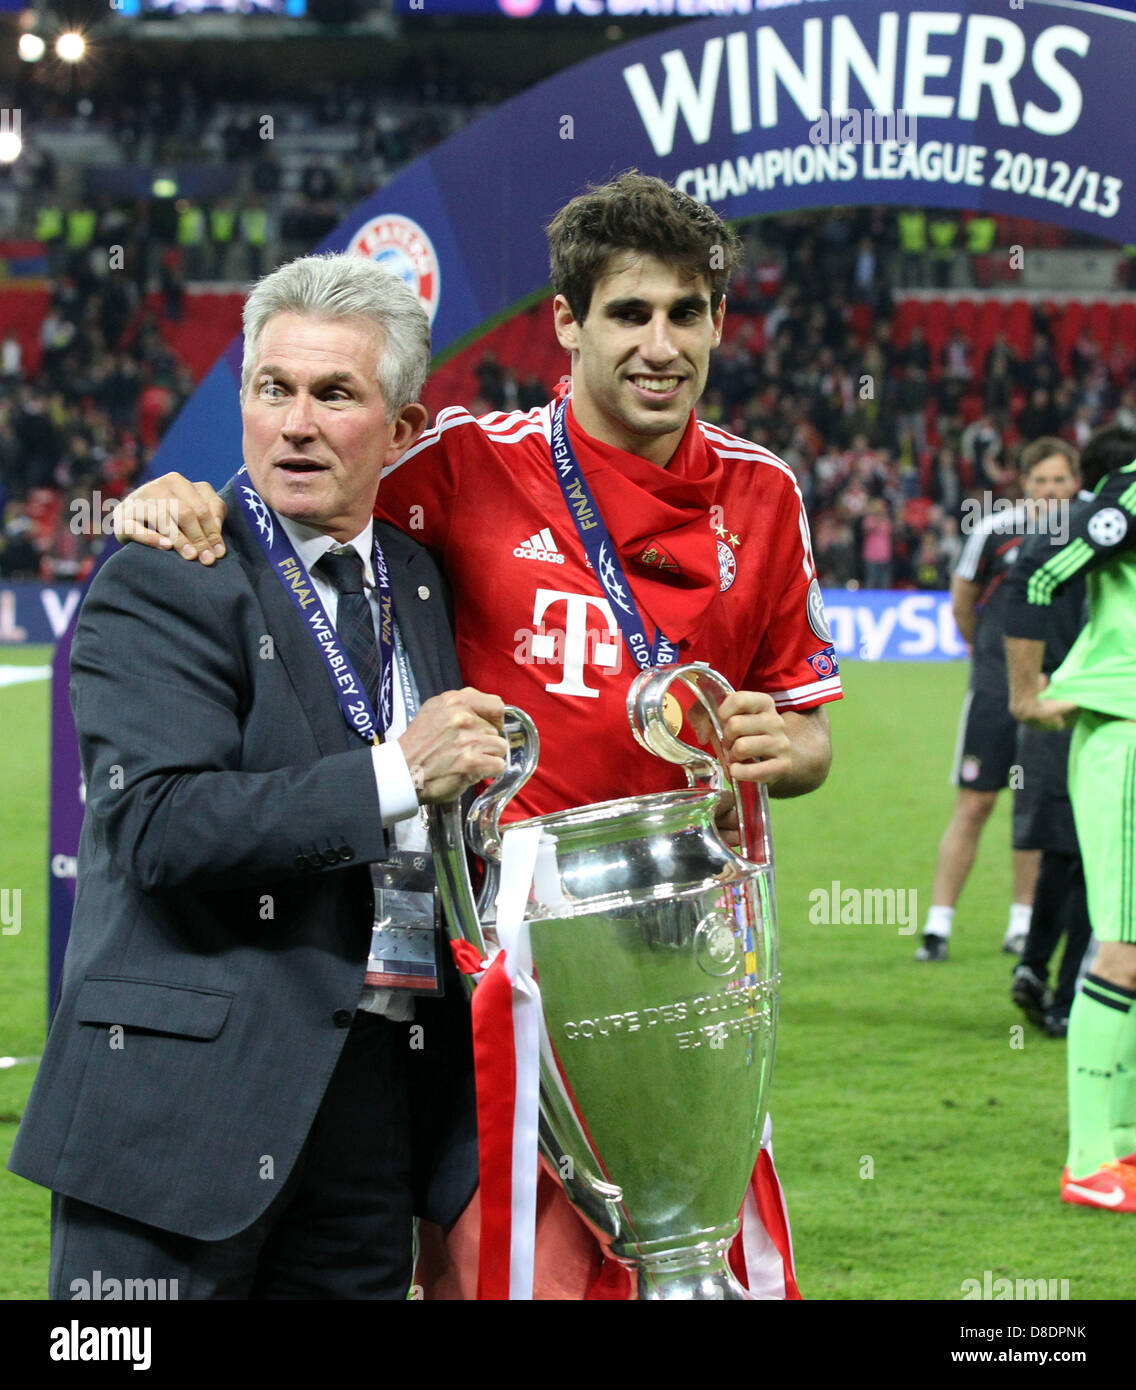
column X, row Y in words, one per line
column 655, row 948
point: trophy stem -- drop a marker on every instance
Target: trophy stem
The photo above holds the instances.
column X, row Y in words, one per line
column 697, row 1273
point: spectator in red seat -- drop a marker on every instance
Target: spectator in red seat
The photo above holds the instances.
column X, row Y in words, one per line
column 1000, row 352
column 19, row 555
column 998, row 385
column 11, row 358
column 876, row 549
column 956, row 357
column 1041, row 368
column 917, row 353
column 981, row 447
column 931, row 570
column 153, row 408
column 945, row 485
column 911, row 404
column 1039, row 417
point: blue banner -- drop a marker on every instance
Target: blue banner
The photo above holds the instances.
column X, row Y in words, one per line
column 34, row 612
column 594, row 9
column 892, row 625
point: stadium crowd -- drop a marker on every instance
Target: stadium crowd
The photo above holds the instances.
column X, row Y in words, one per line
column 888, row 436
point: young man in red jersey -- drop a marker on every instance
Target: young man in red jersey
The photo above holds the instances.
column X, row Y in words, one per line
column 611, row 530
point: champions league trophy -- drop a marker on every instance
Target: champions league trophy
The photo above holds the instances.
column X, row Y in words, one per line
column 655, row 948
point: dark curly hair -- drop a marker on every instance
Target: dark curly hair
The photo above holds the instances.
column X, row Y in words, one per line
column 1107, row 450
column 637, row 213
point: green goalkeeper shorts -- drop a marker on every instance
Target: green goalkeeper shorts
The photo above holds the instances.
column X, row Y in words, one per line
column 1102, row 787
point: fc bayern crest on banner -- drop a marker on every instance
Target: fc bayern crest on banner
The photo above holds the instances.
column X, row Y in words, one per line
column 402, row 247
column 727, row 567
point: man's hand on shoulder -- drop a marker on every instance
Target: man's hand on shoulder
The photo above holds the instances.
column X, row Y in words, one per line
column 454, row 741
column 173, row 513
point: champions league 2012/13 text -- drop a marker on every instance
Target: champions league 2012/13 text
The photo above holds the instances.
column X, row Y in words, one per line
column 934, row 161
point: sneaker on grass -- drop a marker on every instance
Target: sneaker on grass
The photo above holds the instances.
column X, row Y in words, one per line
column 934, row 947
column 1111, row 1188
column 1029, row 993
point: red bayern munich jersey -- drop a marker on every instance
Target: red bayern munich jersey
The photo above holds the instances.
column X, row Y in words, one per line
column 715, row 548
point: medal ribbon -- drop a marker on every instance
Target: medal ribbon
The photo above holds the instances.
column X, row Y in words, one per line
column 601, row 551
column 354, row 702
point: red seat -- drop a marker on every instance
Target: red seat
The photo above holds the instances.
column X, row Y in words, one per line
column 936, row 325
column 1018, row 324
column 963, row 318
column 1100, row 325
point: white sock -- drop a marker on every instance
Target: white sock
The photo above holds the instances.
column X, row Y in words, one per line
column 1020, row 914
column 939, row 921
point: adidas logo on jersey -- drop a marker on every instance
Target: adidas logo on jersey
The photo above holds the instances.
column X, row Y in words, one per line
column 539, row 547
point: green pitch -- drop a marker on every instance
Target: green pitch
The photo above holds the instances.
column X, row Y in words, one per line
column 919, row 1136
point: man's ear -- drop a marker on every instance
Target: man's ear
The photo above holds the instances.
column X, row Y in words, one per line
column 719, row 319
column 566, row 324
column 409, row 425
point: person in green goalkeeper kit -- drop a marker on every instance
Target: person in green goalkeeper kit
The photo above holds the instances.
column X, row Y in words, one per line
column 1094, row 689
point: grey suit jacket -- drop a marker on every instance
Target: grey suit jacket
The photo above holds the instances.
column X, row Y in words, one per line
column 223, row 906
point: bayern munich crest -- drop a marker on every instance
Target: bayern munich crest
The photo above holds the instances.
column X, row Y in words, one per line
column 727, row 567
column 402, row 247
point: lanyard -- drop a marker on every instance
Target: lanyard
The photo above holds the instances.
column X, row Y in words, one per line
column 353, row 700
column 601, row 552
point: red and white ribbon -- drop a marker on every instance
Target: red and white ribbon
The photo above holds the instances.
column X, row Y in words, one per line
column 762, row 1254
column 507, row 1027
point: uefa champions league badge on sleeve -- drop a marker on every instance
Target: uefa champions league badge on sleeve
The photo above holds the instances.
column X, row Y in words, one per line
column 402, row 247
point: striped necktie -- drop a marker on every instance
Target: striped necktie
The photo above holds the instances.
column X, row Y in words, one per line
column 354, row 622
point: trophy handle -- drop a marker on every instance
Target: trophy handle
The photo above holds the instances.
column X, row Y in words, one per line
column 645, row 710
column 455, row 888
column 485, row 813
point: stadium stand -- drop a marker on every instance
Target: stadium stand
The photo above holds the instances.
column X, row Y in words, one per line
column 892, row 405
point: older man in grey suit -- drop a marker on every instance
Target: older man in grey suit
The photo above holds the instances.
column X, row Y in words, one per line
column 252, row 1081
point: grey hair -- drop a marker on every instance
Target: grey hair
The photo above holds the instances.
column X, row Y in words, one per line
column 348, row 286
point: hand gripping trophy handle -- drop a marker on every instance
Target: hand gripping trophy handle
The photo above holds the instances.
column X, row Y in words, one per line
column 462, row 910
column 647, row 710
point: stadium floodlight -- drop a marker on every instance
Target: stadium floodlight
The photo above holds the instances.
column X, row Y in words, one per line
column 70, row 47
column 31, row 48
column 10, row 146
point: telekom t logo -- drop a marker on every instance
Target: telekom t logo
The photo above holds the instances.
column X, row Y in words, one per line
column 604, row 653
